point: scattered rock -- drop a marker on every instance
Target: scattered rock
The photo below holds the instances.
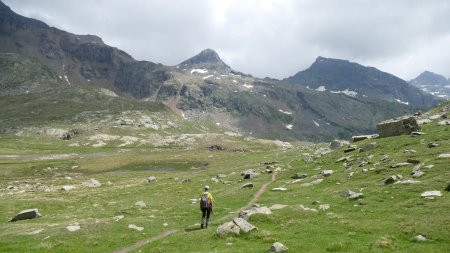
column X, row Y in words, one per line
column 132, row 226
column 246, row 214
column 335, row 144
column 279, row 189
column 26, row 214
column 321, row 152
column 409, row 151
column 417, row 133
column 398, row 165
column 399, row 126
column 343, row 159
column 364, row 137
column 67, row 187
column 227, row 228
column 247, row 185
column 307, row 208
column 413, row 161
column 417, row 173
column 423, row 121
column 244, row 225
column 317, row 181
column 368, row 147
column 165, row 224
column 384, row 157
column 216, row 148
column 431, row 194
column 74, row 226
column 186, row 180
column 281, row 206
column 392, row 179
column 152, row 179
column 352, row 195
column 278, row 248
column 350, row 148
column 91, row 183
column 420, row 238
column 299, row 176
column 324, row 207
column 248, row 174
column 140, row 203
column 444, row 123
column 214, row 180
column 407, row 181
column 221, row 176
column 119, row 217
column 432, row 145
column 278, row 169
column 326, row 173
column 444, row 156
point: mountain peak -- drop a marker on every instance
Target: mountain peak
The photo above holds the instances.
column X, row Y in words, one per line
column 430, row 78
column 208, row 59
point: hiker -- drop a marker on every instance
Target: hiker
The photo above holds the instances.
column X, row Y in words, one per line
column 206, row 201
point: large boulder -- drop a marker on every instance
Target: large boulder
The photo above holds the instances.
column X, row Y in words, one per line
column 27, row 214
column 248, row 174
column 227, row 228
column 399, row 126
column 244, row 225
column 335, row 144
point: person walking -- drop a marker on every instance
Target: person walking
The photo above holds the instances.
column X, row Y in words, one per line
column 206, row 202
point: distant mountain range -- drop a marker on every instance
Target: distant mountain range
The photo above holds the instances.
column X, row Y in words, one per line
column 331, row 99
column 432, row 83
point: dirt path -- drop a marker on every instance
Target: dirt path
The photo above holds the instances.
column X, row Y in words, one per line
column 165, row 233
column 141, row 243
column 255, row 198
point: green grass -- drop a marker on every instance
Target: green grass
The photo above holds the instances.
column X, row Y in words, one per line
column 386, row 220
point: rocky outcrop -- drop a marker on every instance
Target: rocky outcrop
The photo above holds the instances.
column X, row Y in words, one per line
column 399, row 126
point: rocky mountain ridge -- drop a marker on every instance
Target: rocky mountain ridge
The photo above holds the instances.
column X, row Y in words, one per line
column 432, row 83
column 200, row 88
column 353, row 79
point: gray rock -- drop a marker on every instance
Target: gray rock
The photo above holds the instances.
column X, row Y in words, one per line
column 350, row 148
column 344, row 159
column 279, row 189
column 91, row 183
column 423, row 121
column 221, row 176
column 140, row 203
column 444, row 156
column 132, row 226
column 214, row 180
column 26, row 214
column 307, row 209
column 444, row 123
column 227, row 228
column 399, row 126
column 326, row 173
column 420, row 238
column 417, row 133
column 364, row 137
column 335, row 144
column 299, row 176
column 432, row 145
column 277, row 206
column 152, row 179
column 248, row 174
column 368, row 147
column 398, row 165
column 417, row 173
column 247, row 185
column 352, row 195
column 67, row 187
column 118, row 217
column 244, row 225
column 413, row 161
column 409, row 151
column 390, row 180
column 246, row 214
column 431, row 194
column 278, row 248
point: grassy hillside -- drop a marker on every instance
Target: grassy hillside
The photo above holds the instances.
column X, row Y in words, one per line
column 388, row 218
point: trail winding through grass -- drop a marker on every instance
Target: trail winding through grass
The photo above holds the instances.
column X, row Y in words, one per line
column 165, row 233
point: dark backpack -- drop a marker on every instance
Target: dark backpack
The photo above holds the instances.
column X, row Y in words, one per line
column 204, row 201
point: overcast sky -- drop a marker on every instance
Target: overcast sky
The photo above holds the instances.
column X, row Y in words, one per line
column 275, row 38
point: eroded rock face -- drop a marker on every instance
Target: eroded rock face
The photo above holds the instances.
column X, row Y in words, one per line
column 394, row 127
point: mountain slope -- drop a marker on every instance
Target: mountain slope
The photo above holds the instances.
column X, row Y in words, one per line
column 432, row 83
column 206, row 59
column 343, row 76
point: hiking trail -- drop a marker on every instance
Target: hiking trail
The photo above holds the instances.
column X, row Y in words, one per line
column 166, row 233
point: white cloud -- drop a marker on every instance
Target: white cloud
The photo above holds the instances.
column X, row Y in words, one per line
column 273, row 38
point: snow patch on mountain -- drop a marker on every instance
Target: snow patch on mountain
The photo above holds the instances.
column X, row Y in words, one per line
column 401, row 102
column 321, row 88
column 285, row 112
column 200, row 71
column 346, row 92
column 290, row 126
column 315, row 123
